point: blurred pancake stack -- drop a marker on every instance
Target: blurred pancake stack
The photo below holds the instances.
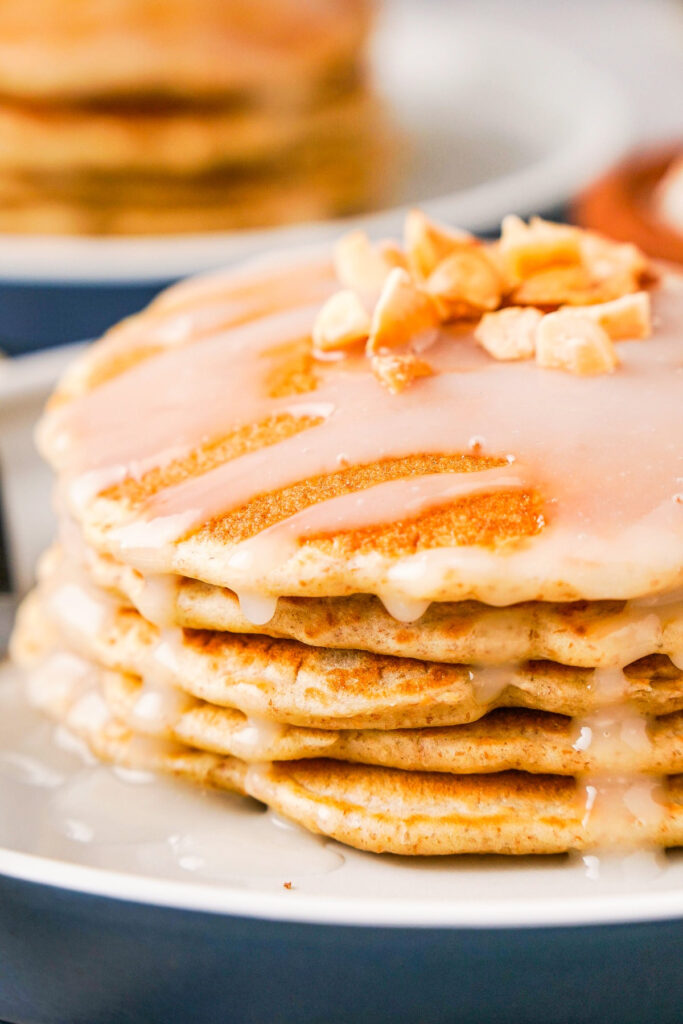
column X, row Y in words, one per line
column 390, row 541
column 139, row 117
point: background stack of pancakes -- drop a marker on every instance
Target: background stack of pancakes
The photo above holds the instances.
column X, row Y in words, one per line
column 133, row 116
column 465, row 727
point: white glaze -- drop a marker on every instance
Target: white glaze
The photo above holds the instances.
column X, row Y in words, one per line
column 612, row 521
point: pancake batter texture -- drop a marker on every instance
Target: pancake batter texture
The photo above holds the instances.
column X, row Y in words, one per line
column 389, row 538
column 122, row 117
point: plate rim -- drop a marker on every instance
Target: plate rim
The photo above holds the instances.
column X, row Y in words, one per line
column 301, row 908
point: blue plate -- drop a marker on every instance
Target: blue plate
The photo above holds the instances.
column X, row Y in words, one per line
column 67, row 958
column 36, row 315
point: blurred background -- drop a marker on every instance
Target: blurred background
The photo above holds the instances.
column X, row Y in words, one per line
column 142, row 141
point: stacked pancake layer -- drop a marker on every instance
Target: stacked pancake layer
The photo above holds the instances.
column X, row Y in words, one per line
column 186, row 116
column 274, row 576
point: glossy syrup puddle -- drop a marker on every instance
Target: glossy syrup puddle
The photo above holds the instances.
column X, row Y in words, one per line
column 57, row 800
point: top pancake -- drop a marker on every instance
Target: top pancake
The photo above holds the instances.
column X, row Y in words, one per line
column 104, row 48
column 206, row 420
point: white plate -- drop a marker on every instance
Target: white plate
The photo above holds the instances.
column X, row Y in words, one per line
column 84, row 827
column 499, row 121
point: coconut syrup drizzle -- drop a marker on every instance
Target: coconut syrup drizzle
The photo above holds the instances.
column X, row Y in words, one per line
column 605, row 452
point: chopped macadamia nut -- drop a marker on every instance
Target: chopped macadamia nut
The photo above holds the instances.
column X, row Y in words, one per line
column 528, row 248
column 396, row 372
column 626, row 317
column 403, row 314
column 343, row 321
column 427, row 243
column 509, row 333
column 363, row 266
column 465, row 283
column 606, row 258
column 572, row 286
column 392, row 253
column 570, row 341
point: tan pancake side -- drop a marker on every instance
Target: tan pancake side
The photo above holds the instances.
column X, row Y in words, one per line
column 287, row 682
column 287, row 194
column 503, row 740
column 387, row 810
column 584, row 634
column 189, row 141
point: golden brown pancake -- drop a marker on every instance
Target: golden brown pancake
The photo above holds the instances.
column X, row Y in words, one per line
column 146, row 118
column 278, row 203
column 503, row 740
column 329, row 183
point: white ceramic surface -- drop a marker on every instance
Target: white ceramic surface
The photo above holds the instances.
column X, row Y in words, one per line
column 67, row 822
column 498, row 119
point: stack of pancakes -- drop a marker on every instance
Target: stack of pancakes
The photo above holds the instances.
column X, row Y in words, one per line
column 133, row 116
column 371, row 611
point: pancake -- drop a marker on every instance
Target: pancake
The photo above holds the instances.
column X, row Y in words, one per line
column 228, row 300
column 189, row 141
column 503, row 487
column 274, row 48
column 503, row 740
column 289, row 683
column 231, row 205
column 145, row 118
column 388, row 810
column 584, row 634
column 373, row 536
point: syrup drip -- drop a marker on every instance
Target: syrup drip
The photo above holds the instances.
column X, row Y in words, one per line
column 633, row 868
column 156, row 599
column 404, row 609
column 157, row 707
column 159, row 703
column 256, row 738
column 617, row 733
column 636, row 635
column 489, row 681
column 257, row 608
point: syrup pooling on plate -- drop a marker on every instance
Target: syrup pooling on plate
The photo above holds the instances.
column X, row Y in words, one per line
column 608, row 479
column 62, row 802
